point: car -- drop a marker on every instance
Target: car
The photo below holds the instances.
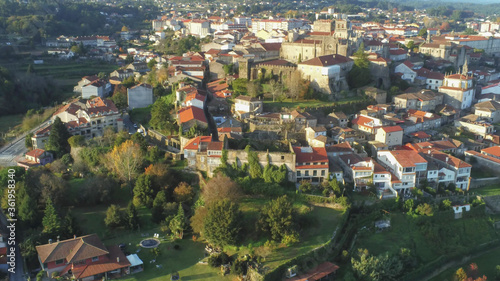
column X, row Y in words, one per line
column 135, row 125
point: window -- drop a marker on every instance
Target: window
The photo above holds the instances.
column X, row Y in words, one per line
column 322, row 172
column 45, row 265
column 282, row 157
column 61, row 261
column 315, row 173
column 95, row 258
column 307, row 173
column 298, row 173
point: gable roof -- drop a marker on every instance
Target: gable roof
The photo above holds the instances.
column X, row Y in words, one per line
column 490, row 105
column 327, row 60
column 407, row 158
column 310, row 154
column 35, row 153
column 194, row 143
column 391, row 129
column 72, row 250
column 494, row 150
column 191, row 112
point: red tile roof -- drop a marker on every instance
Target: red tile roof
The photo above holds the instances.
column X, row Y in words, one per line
column 35, row 153
column 189, row 113
column 420, row 135
column 327, row 60
column 475, row 153
column 81, row 248
column 494, row 150
column 310, row 154
column 392, row 129
column 116, row 261
column 408, row 158
column 450, row 160
column 341, row 147
column 194, row 143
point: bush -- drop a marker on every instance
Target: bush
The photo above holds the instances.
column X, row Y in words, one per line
column 219, row 259
column 177, row 247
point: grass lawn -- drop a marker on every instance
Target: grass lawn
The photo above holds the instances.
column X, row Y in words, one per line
column 269, row 104
column 488, row 190
column 486, row 265
column 141, row 115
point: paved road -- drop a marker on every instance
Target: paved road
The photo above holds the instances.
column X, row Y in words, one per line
column 128, row 124
column 11, row 151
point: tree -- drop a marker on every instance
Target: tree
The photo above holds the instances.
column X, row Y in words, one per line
column 228, row 69
column 160, row 117
column 178, row 223
column 360, row 74
column 445, row 26
column 198, row 219
column 58, row 139
column 410, row 45
column 221, row 187
column 469, row 31
column 152, row 63
column 76, row 141
column 377, row 268
column 129, row 59
column 27, row 142
column 424, row 210
column 26, row 213
column 30, row 69
column 239, row 86
column 276, row 89
column 114, row 216
column 422, row 32
column 132, row 217
column 157, row 212
column 126, row 159
column 222, row 223
column 254, row 167
column 460, row 274
column 119, row 97
column 51, row 221
column 183, row 193
column 254, row 89
column 143, row 192
column 295, row 85
column 277, row 218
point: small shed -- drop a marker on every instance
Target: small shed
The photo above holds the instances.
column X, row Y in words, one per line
column 136, row 264
column 382, row 224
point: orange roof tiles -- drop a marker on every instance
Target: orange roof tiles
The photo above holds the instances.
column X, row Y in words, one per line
column 194, row 143
column 408, row 158
column 494, row 150
column 189, row 113
column 392, row 129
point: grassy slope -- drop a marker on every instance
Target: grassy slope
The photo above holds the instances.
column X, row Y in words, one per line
column 488, row 190
column 9, row 122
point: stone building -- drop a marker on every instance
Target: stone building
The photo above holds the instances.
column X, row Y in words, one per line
column 328, row 74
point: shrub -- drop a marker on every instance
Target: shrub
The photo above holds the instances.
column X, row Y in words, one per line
column 219, row 259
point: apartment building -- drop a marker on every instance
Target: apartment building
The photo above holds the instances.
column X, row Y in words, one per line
column 407, row 165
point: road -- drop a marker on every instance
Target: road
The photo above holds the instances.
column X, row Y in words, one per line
column 11, row 151
column 128, row 124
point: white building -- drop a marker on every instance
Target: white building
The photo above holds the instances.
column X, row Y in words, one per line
column 459, row 90
column 140, row 96
column 406, row 165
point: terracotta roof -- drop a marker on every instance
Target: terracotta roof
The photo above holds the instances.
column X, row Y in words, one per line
column 420, row 135
column 450, row 160
column 190, row 113
column 194, row 143
column 392, row 129
column 407, row 158
column 216, row 145
column 397, row 52
column 92, row 269
column 488, row 105
column 229, row 129
column 475, row 153
column 362, row 121
column 424, row 72
column 409, row 64
column 327, row 60
column 35, row 153
column 310, row 154
column 379, row 169
column 494, row 150
column 72, row 250
column 271, row 46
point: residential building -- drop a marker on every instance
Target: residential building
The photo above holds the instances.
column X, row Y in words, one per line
column 390, row 135
column 475, row 124
column 334, row 151
column 328, row 74
column 140, row 96
column 311, row 164
column 199, row 28
column 82, row 258
column 424, row 100
column 485, row 159
column 122, row 74
column 407, row 165
column 493, row 151
column 244, row 106
column 446, row 146
column 195, row 145
column 85, row 81
column 191, row 116
column 460, row 170
column 489, row 110
column 269, row 25
column 96, row 88
column 417, row 120
column 40, row 137
column 301, row 119
column 313, row 135
column 366, row 124
column 89, row 118
column 35, row 157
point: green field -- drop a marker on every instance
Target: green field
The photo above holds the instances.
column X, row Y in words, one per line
column 486, row 264
column 141, row 115
column 489, row 190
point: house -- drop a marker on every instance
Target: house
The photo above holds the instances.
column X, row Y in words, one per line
column 425, row 100
column 460, row 170
column 140, row 96
column 328, row 74
column 366, row 124
column 406, row 165
column 85, row 81
column 191, row 116
column 96, row 88
column 194, row 146
column 493, row 151
column 417, row 120
column 89, row 117
column 314, row 134
column 420, row 136
column 335, row 150
column 311, row 163
column 488, row 109
column 40, row 137
column 122, row 74
column 341, row 118
column 406, row 70
column 390, row 135
column 475, row 124
column 484, row 159
column 244, row 106
column 35, row 157
column 82, row 258
column 445, row 146
column 398, row 55
column 230, row 133
column 431, row 79
column 357, row 170
column 302, row 119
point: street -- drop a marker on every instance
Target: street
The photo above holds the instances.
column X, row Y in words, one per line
column 11, row 151
column 128, row 124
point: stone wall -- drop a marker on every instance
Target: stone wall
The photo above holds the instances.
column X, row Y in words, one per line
column 275, row 158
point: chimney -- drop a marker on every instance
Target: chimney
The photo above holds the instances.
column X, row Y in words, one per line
column 50, row 241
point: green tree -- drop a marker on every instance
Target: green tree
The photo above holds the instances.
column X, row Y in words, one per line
column 422, row 32
column 132, row 217
column 51, row 221
column 152, row 64
column 114, row 216
column 157, row 212
column 239, row 86
column 377, row 268
column 26, row 213
column 119, row 97
column 160, row 117
column 58, row 138
column 178, row 223
column 360, row 74
column 222, row 224
column 129, row 59
column 27, row 142
column 424, row 210
column 228, row 69
column 76, row 141
column 277, row 218
column 254, row 167
column 143, row 191
column 410, row 45
column 469, row 31
column 254, row 88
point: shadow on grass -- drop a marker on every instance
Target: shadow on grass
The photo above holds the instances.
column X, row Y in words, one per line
column 199, row 276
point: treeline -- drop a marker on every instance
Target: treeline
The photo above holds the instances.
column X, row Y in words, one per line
column 21, row 92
